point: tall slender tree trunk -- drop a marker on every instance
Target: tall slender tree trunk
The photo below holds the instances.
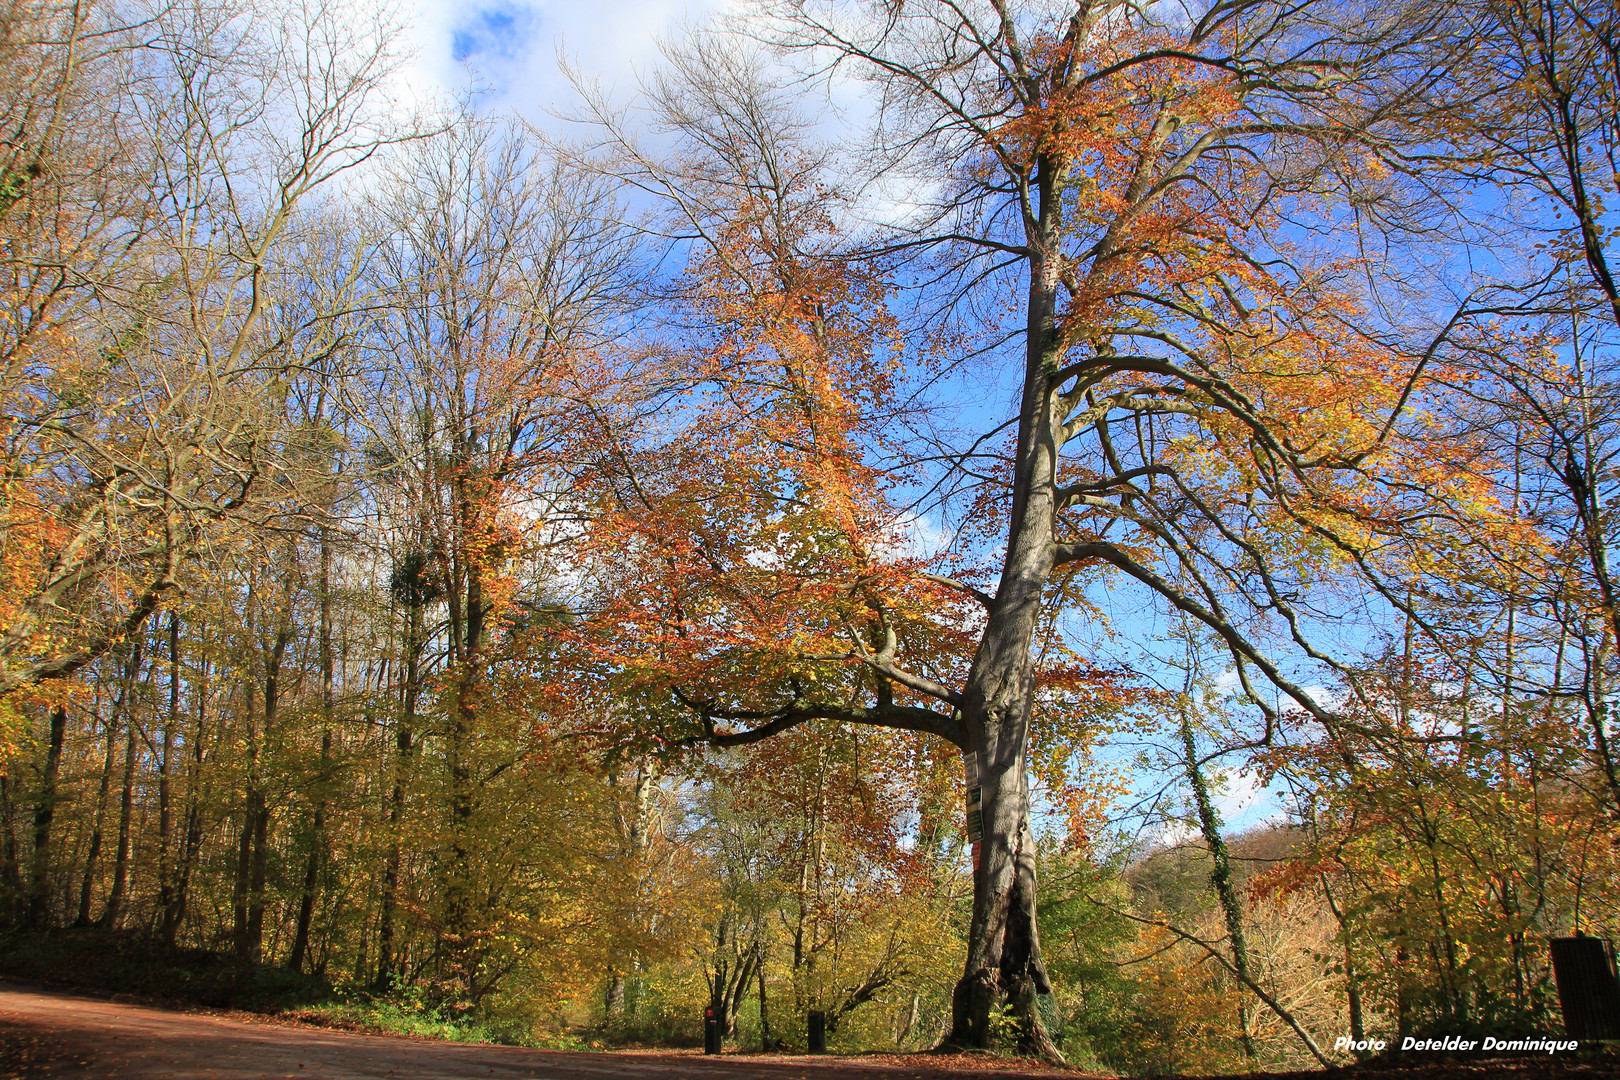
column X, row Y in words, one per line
column 242, row 893
column 111, row 914
column 312, row 868
column 460, row 931
column 386, row 930
column 1220, row 879
column 404, row 735
column 765, row 1040
column 191, row 848
column 807, row 906
column 253, row 954
column 171, row 728
column 39, row 899
column 114, row 911
column 1352, row 974
column 636, row 834
column 120, row 703
column 88, row 884
column 457, row 880
column 317, row 837
column 253, row 856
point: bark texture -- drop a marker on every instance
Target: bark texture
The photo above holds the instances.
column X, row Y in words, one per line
column 1004, row 965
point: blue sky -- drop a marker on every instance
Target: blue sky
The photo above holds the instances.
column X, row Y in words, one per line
column 508, row 50
column 502, row 33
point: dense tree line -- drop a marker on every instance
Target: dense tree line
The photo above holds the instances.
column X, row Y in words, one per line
column 558, row 585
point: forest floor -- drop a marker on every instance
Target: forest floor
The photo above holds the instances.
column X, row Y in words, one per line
column 51, row 1034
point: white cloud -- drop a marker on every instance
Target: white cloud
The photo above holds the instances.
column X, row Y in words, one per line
column 1244, row 802
column 1236, row 793
column 1240, row 799
column 508, row 49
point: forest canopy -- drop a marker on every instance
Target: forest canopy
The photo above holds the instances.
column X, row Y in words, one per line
column 1080, row 528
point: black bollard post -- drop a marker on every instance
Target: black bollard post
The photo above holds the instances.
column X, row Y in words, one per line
column 818, row 1031
column 711, row 1031
column 1588, row 988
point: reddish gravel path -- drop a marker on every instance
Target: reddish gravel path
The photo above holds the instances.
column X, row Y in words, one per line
column 44, row 1033
column 50, row 1034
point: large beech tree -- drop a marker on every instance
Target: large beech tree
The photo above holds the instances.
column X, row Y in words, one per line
column 398, row 586
column 1109, row 207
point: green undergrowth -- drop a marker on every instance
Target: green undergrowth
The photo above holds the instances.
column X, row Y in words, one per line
column 389, row 1016
column 135, row 966
column 124, row 963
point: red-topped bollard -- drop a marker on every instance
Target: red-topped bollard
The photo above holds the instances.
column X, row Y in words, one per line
column 711, row 1031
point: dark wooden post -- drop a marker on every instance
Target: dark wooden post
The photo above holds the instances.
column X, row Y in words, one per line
column 1588, row 988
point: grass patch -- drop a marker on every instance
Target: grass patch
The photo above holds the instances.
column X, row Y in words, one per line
column 402, row 1016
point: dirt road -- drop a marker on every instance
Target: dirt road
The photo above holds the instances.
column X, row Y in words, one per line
column 49, row 1034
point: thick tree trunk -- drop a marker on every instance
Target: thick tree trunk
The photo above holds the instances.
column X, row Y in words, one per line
column 39, row 900
column 11, row 883
column 1004, row 965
